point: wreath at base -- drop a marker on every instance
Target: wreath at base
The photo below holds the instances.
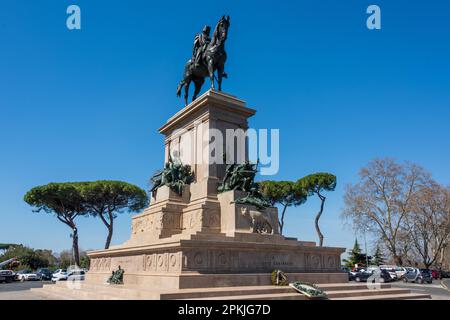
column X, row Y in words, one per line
column 308, row 289
column 278, row 278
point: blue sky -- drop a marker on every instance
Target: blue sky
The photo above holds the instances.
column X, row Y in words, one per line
column 86, row 105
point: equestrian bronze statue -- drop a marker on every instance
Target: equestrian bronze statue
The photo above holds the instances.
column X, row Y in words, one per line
column 208, row 57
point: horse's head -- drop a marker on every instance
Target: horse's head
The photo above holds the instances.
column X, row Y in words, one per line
column 221, row 32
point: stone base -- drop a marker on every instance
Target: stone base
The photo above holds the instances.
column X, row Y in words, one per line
column 334, row 291
column 216, row 260
column 164, row 281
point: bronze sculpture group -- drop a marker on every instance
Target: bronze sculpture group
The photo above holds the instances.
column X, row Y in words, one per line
column 242, row 177
column 175, row 175
column 208, row 57
column 116, row 276
column 239, row 177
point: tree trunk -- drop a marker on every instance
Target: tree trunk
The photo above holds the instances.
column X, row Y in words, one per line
column 319, row 233
column 109, row 226
column 397, row 259
column 282, row 220
column 110, row 233
column 76, row 253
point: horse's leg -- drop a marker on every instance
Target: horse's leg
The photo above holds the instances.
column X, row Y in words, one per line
column 220, row 73
column 186, row 92
column 211, row 72
column 180, row 86
column 198, row 86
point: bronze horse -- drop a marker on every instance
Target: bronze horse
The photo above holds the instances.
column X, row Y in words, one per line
column 212, row 60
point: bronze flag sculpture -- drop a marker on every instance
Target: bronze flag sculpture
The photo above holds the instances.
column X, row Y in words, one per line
column 208, row 57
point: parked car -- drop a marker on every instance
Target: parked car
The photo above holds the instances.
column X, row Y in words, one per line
column 384, row 276
column 373, row 268
column 435, row 274
column 7, row 276
column 44, row 274
column 362, row 276
column 59, row 275
column 418, row 276
column 445, row 274
column 76, row 275
column 400, row 271
column 427, row 271
column 351, row 276
column 26, row 275
column 391, row 272
column 346, row 270
column 354, row 271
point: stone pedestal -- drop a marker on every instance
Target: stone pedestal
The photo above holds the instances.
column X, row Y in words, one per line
column 237, row 218
column 202, row 238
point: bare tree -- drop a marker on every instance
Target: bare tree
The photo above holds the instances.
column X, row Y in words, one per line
column 381, row 200
column 428, row 223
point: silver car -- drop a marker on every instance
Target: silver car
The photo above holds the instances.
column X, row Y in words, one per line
column 76, row 275
column 26, row 275
column 418, row 276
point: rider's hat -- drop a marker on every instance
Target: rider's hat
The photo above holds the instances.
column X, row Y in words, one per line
column 206, row 29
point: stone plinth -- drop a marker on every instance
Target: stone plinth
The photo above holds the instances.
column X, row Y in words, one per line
column 189, row 132
column 202, row 238
column 238, row 218
column 169, row 264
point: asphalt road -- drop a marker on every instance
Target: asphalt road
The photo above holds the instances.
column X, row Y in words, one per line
column 21, row 290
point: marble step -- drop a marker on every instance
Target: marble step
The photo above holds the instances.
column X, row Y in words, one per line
column 105, row 291
column 226, row 292
column 405, row 296
column 365, row 292
column 336, row 291
column 348, row 286
column 269, row 296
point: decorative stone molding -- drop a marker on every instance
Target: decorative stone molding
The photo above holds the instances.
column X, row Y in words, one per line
column 101, row 264
column 150, row 262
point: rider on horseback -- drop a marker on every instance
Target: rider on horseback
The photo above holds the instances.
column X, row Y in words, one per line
column 201, row 41
column 208, row 58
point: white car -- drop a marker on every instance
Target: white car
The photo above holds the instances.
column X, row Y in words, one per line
column 59, row 275
column 76, row 275
column 396, row 272
column 400, row 271
column 26, row 275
